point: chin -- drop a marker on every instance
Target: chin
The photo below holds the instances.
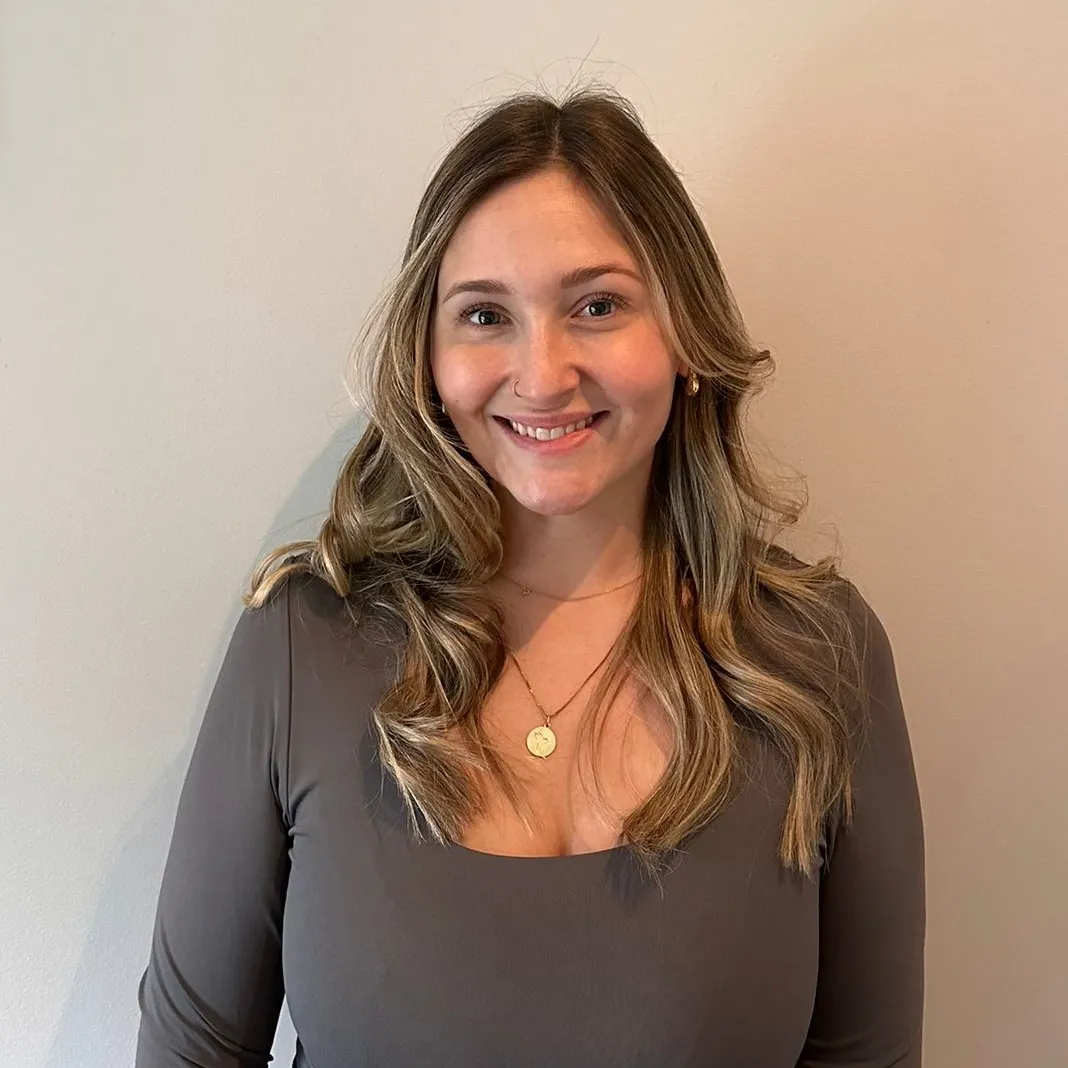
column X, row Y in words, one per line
column 552, row 504
column 552, row 508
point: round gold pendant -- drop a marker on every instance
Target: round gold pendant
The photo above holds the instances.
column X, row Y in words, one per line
column 541, row 741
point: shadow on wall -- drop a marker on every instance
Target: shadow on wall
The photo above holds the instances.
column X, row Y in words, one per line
column 116, row 951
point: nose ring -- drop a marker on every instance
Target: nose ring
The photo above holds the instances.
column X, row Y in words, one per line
column 514, row 390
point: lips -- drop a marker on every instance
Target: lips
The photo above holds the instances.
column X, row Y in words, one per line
column 546, row 434
column 542, row 433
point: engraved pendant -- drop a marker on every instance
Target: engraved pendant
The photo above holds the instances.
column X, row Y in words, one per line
column 541, row 741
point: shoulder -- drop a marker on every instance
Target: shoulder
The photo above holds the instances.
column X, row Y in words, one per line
column 341, row 650
column 873, row 642
column 884, row 776
column 845, row 639
column 845, row 605
column 879, row 697
column 316, row 607
column 304, row 603
column 871, row 668
column 325, row 667
column 306, row 633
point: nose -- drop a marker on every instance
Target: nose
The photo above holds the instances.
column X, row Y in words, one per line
column 545, row 373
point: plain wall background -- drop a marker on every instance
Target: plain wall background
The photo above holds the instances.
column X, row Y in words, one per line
column 201, row 199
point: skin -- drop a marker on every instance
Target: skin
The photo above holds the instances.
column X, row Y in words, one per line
column 571, row 523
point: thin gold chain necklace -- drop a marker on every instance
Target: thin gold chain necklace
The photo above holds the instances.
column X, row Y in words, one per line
column 527, row 590
column 541, row 741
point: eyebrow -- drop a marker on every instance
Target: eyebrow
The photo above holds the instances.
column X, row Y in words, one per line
column 577, row 277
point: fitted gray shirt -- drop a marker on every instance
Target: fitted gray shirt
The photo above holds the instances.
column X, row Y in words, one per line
column 291, row 871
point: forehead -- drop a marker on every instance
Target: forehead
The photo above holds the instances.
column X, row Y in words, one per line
column 543, row 223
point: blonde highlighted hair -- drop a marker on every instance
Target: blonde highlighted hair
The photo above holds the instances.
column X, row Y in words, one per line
column 730, row 634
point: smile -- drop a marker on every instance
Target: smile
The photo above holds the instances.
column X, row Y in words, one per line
column 551, row 442
column 540, row 433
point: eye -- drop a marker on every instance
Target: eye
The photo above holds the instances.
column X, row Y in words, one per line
column 595, row 299
column 487, row 309
column 605, row 298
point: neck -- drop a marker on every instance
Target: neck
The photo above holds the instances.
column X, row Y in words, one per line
column 573, row 555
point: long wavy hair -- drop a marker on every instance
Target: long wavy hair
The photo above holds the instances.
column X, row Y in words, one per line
column 732, row 636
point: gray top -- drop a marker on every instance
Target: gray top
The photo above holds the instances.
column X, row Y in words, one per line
column 291, row 870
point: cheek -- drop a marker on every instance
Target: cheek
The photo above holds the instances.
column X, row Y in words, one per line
column 644, row 384
column 648, row 416
column 464, row 382
column 642, row 368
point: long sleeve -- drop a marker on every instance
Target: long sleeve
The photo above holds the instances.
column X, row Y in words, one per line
column 212, row 991
column 869, row 1000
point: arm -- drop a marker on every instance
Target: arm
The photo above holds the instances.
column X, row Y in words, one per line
column 212, row 991
column 869, row 999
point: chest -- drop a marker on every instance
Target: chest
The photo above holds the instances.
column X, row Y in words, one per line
column 576, row 798
column 399, row 952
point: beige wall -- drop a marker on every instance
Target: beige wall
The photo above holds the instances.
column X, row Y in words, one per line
column 200, row 199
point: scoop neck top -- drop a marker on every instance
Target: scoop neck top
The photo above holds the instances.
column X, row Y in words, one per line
column 292, row 872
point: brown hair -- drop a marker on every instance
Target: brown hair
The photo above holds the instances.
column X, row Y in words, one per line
column 730, row 634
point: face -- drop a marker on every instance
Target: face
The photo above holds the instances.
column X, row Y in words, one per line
column 536, row 289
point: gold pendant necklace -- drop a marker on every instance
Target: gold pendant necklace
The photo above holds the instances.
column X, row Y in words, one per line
column 541, row 741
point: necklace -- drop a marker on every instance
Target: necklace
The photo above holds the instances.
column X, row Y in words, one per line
column 527, row 590
column 541, row 741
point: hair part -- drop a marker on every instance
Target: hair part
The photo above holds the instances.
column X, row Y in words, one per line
column 730, row 634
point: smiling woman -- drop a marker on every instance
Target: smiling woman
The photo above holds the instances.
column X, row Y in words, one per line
column 543, row 752
column 545, row 363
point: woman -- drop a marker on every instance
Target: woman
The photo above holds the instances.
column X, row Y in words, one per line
column 542, row 753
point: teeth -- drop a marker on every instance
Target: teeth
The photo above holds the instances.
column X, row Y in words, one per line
column 540, row 433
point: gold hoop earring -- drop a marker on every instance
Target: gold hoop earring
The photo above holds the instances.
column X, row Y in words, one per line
column 693, row 384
